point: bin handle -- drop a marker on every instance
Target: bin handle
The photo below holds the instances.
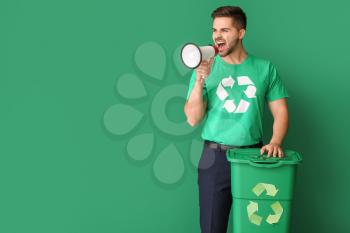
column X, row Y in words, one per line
column 265, row 164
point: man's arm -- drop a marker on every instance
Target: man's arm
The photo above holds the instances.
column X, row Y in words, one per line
column 195, row 107
column 279, row 112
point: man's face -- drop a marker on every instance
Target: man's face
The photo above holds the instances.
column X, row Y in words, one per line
column 225, row 35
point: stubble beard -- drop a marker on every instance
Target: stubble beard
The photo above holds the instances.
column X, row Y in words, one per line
column 233, row 46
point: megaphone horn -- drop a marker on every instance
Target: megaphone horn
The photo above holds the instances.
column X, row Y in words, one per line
column 192, row 55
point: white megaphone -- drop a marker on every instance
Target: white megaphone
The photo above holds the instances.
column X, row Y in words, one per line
column 192, row 55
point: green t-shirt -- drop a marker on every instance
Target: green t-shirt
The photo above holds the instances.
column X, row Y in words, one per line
column 236, row 95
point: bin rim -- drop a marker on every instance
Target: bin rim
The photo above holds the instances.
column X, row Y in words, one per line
column 262, row 160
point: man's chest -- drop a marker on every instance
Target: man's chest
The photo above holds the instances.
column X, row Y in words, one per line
column 235, row 90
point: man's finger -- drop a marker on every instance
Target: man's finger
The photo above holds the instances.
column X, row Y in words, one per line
column 269, row 149
column 275, row 151
column 280, row 153
column 262, row 150
column 211, row 60
column 204, row 63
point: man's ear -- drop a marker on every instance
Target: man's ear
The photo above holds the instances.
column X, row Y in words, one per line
column 241, row 33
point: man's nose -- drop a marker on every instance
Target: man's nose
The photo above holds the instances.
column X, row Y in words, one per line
column 217, row 35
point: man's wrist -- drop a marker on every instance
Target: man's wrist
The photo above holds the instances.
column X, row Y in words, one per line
column 278, row 143
column 199, row 82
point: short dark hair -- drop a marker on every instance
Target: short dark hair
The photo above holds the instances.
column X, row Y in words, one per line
column 236, row 13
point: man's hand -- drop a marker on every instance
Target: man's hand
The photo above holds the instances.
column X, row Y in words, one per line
column 203, row 70
column 273, row 149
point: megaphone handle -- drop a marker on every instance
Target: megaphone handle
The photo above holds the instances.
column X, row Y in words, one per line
column 210, row 61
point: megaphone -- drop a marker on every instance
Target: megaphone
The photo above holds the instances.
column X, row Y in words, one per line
column 192, row 55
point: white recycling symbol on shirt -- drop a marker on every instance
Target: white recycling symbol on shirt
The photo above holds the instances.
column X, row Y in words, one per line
column 230, row 104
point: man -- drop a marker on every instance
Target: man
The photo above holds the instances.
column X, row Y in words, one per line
column 230, row 90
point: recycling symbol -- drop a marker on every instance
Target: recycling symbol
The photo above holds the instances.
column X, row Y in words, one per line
column 253, row 207
column 231, row 105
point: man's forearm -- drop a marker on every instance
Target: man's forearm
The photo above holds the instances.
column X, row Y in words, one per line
column 195, row 107
column 280, row 127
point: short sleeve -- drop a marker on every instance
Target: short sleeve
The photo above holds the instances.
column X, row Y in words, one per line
column 191, row 84
column 276, row 89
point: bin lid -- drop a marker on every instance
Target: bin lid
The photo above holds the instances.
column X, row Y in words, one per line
column 253, row 157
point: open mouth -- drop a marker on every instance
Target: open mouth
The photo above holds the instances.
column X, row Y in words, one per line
column 221, row 45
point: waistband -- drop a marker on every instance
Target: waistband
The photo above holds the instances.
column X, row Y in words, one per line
column 217, row 146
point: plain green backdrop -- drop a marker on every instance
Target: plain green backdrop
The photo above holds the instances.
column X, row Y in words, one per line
column 61, row 171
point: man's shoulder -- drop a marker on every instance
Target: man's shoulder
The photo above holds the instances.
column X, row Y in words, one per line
column 260, row 61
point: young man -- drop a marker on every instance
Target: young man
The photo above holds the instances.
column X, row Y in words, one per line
column 230, row 90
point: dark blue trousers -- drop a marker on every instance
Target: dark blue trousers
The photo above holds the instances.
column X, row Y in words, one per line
column 214, row 182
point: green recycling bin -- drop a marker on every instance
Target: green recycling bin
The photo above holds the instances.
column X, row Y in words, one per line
column 262, row 190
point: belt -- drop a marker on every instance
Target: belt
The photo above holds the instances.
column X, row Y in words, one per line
column 214, row 145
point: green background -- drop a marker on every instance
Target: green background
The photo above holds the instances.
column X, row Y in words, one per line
column 62, row 171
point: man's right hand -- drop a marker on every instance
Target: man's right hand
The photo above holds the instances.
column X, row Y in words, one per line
column 203, row 70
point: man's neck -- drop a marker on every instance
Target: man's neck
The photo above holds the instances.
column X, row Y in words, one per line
column 236, row 57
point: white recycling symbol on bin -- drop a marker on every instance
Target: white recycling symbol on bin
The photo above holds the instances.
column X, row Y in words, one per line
column 231, row 105
column 253, row 207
